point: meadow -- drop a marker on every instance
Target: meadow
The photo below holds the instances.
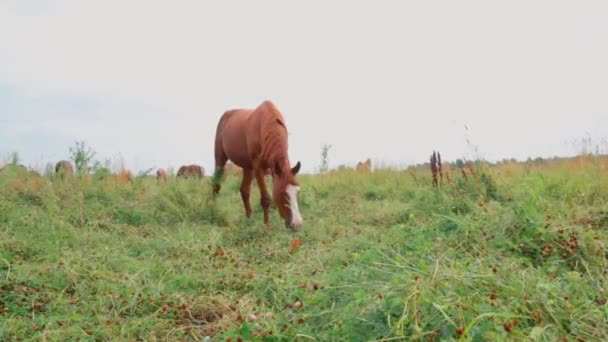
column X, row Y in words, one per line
column 509, row 252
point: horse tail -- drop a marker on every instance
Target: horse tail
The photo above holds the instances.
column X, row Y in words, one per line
column 220, row 156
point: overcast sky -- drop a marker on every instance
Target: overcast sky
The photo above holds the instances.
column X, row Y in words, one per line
column 386, row 80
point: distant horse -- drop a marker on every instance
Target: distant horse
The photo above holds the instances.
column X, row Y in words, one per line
column 124, row 176
column 161, row 175
column 64, row 169
column 19, row 167
column 364, row 166
column 256, row 141
column 191, row 171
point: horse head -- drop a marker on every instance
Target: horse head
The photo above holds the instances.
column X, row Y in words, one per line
column 285, row 192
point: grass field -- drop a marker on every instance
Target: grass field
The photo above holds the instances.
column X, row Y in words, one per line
column 518, row 252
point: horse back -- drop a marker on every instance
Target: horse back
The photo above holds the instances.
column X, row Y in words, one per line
column 251, row 136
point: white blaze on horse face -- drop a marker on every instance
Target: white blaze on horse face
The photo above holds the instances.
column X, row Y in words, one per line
column 292, row 194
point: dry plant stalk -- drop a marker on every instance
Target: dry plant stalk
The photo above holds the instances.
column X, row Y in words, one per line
column 440, row 168
column 464, row 173
column 435, row 168
column 476, row 181
column 470, row 167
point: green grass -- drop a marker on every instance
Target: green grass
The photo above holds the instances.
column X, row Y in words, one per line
column 519, row 254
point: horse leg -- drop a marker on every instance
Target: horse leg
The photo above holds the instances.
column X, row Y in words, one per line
column 246, row 190
column 264, row 196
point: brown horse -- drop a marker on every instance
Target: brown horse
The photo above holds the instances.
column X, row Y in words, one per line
column 161, row 175
column 124, row 176
column 256, row 141
column 365, row 167
column 18, row 167
column 191, row 171
column 64, row 168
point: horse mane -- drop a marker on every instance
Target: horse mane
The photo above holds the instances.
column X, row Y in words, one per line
column 274, row 134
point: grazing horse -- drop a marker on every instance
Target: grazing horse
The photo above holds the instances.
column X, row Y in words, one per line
column 124, row 176
column 18, row 167
column 191, row 171
column 64, row 168
column 161, row 175
column 256, row 141
column 366, row 166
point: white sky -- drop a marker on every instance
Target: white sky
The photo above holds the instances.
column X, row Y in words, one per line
column 389, row 80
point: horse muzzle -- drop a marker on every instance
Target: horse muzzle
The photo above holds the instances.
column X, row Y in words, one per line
column 294, row 224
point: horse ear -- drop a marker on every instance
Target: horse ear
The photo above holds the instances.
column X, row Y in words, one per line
column 296, row 169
